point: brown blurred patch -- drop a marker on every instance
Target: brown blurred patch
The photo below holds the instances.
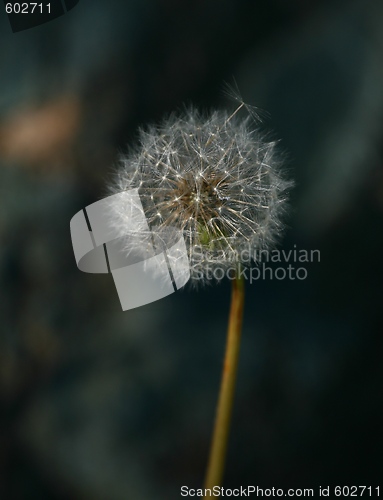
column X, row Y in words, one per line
column 42, row 137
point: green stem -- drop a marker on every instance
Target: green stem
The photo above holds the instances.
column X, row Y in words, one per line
column 217, row 456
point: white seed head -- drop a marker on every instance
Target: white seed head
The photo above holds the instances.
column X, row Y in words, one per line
column 214, row 178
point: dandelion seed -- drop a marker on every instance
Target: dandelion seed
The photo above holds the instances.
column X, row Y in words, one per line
column 214, row 178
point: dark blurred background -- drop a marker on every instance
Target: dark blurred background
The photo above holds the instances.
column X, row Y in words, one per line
column 102, row 404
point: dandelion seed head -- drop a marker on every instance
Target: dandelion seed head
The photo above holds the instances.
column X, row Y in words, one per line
column 214, row 178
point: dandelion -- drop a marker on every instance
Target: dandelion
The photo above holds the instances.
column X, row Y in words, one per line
column 217, row 180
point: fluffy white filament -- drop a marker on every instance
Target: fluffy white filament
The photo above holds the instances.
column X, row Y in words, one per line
column 214, row 178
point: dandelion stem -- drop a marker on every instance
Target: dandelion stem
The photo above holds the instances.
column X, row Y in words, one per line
column 217, row 456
